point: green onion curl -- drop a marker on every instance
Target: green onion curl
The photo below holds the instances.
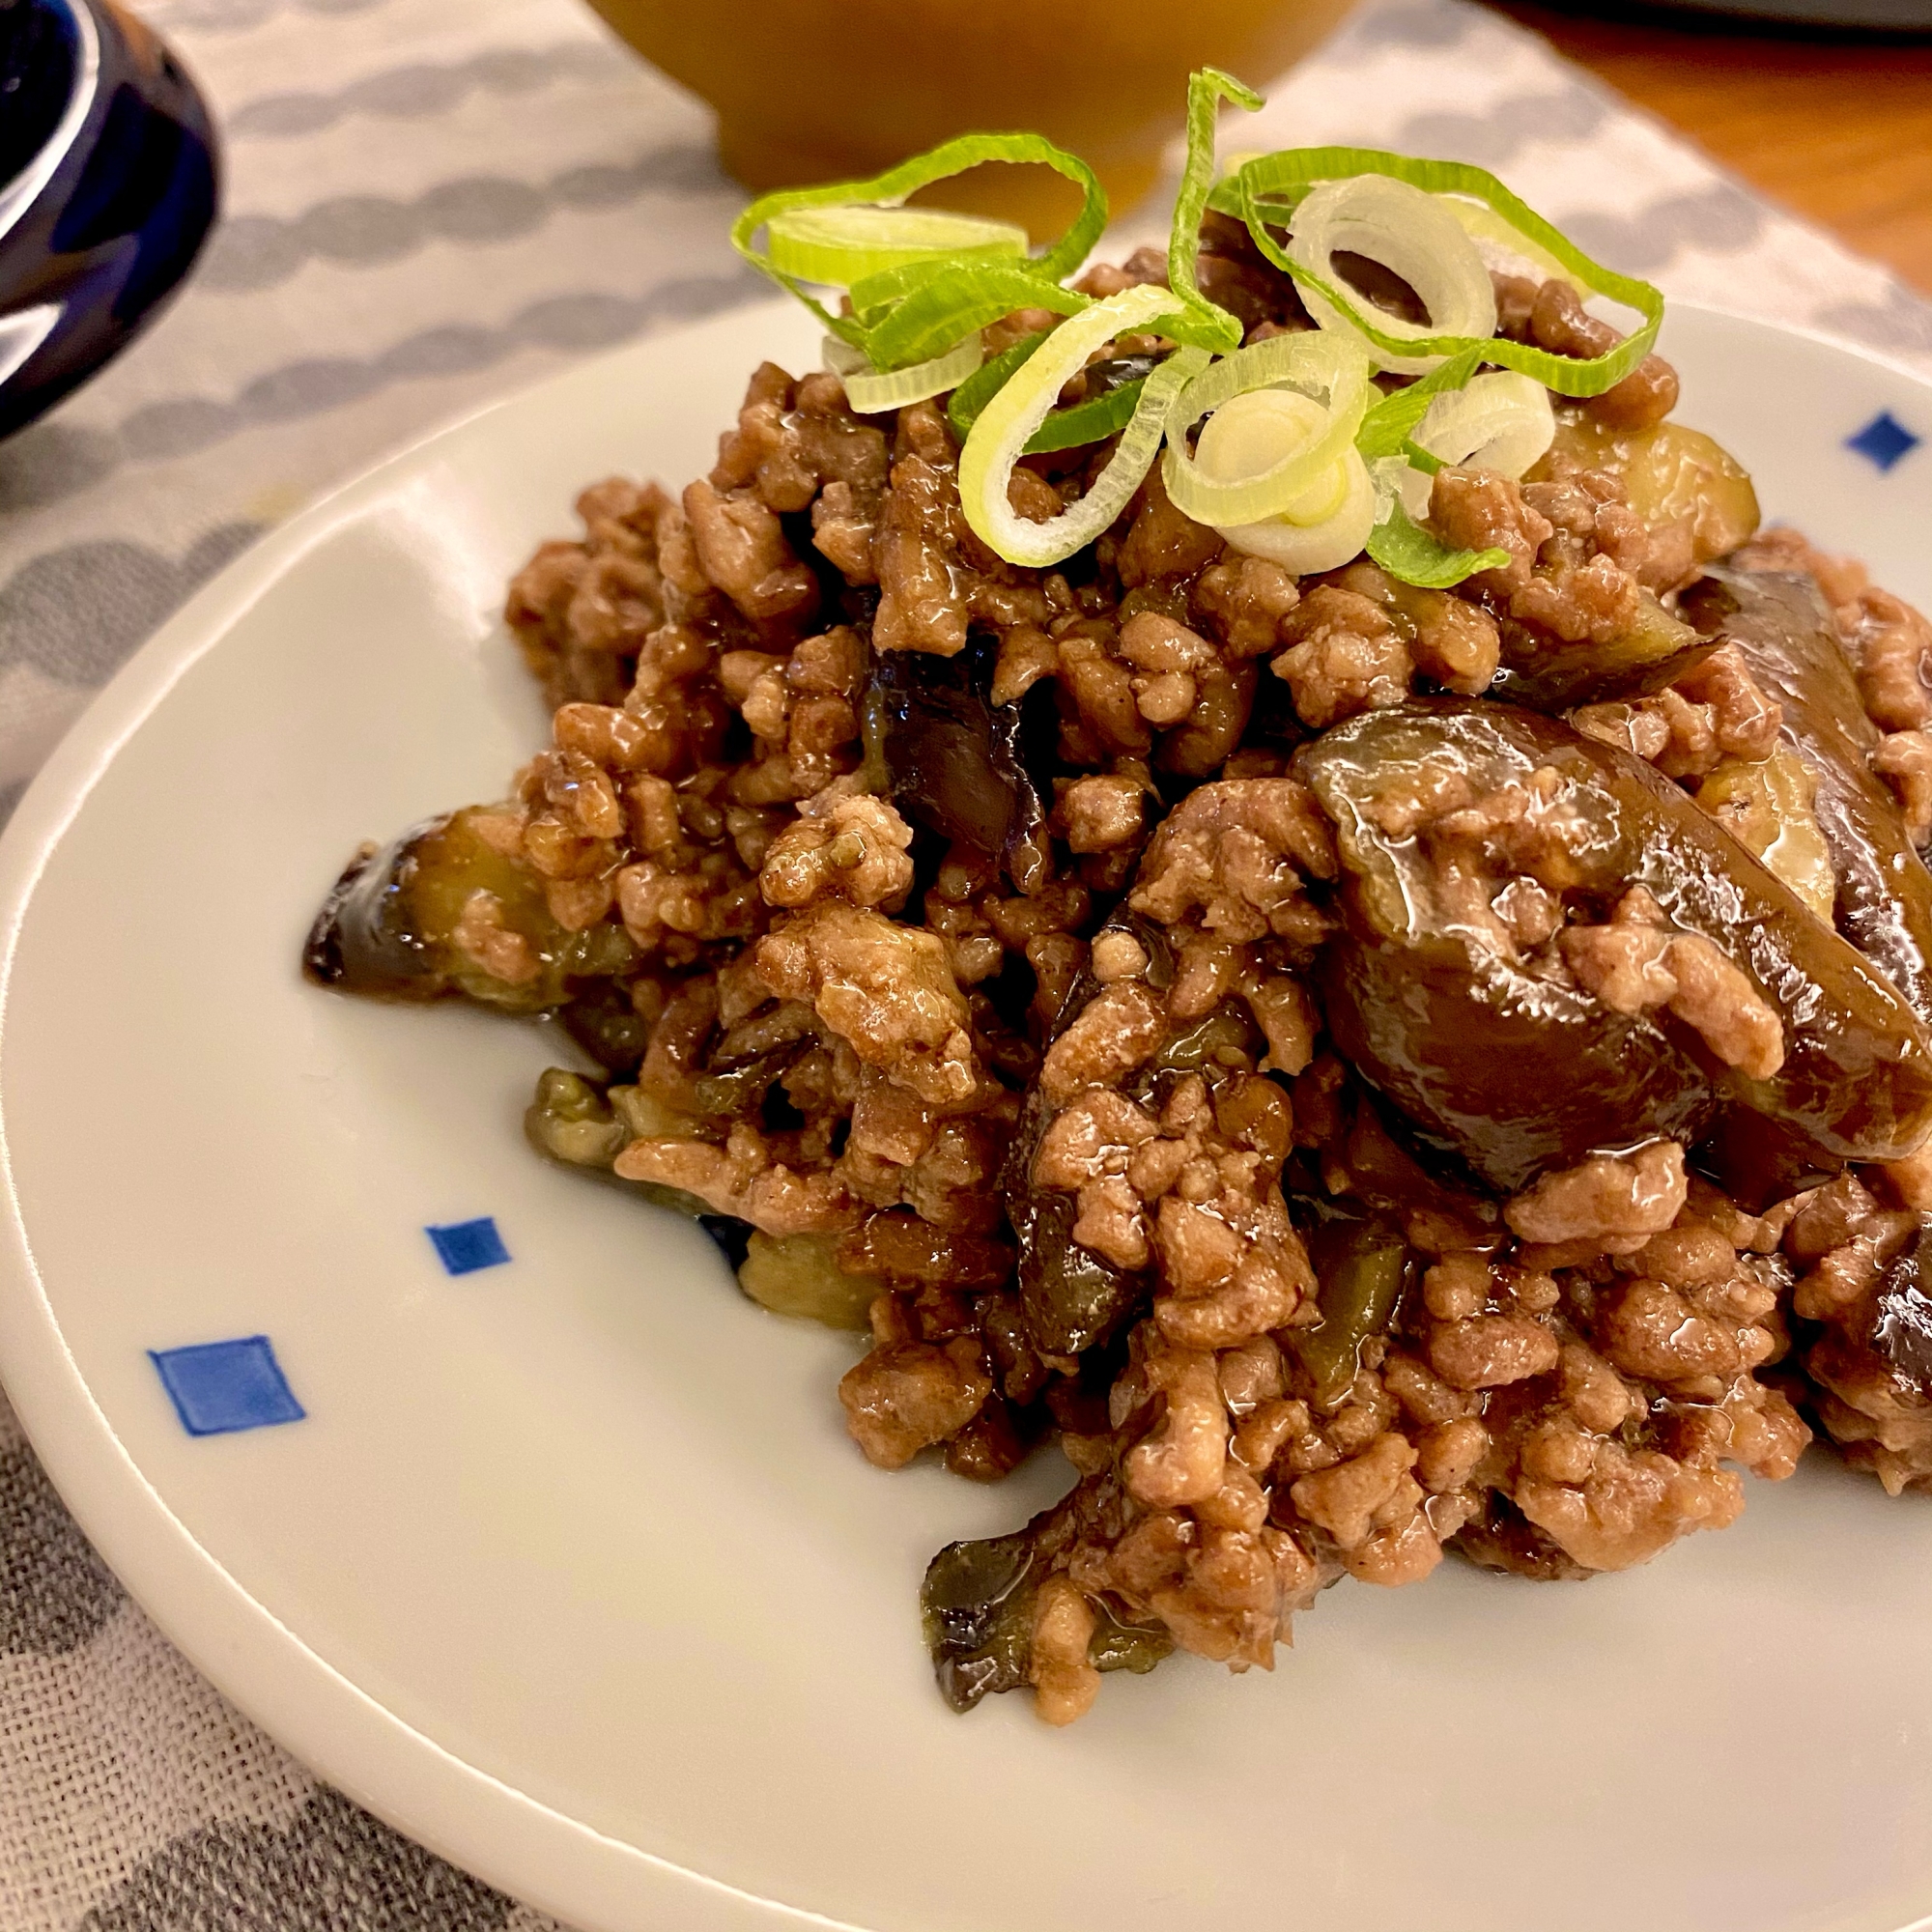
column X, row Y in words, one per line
column 1268, row 178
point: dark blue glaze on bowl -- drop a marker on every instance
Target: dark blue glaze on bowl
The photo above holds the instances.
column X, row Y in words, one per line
column 108, row 186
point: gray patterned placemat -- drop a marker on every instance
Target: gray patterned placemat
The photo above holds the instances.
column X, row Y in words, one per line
column 431, row 202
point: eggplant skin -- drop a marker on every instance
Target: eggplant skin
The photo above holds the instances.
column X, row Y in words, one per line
column 387, row 930
column 1515, row 1073
column 977, row 1601
column 957, row 762
column 1073, row 1299
column 364, row 939
column 1779, row 623
column 1553, row 674
column 1504, row 1061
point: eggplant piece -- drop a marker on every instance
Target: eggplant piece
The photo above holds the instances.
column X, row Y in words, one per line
column 1766, row 805
column 386, row 929
column 956, row 762
column 1072, row 1299
column 604, row 1020
column 1550, row 675
column 1759, row 1162
column 365, row 939
column 1671, row 474
column 584, row 1125
column 1496, row 1053
column 976, row 1607
column 1779, row 622
column 571, row 1119
column 736, row 1092
column 1439, row 1204
column 976, row 1602
column 1504, row 1063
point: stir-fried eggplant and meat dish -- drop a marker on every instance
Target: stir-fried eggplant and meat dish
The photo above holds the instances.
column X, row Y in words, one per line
column 1250, row 865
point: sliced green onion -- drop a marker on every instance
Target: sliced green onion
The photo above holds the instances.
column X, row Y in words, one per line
column 986, row 382
column 1404, row 549
column 1251, row 432
column 1501, row 421
column 1275, row 177
column 1009, row 420
column 1207, row 88
column 843, row 245
column 1387, row 427
column 1091, row 421
column 877, row 297
column 1327, row 368
column 872, row 391
column 1412, row 235
column 891, row 188
column 956, row 300
column 1324, row 540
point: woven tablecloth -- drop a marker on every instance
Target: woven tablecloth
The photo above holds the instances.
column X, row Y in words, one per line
column 431, row 202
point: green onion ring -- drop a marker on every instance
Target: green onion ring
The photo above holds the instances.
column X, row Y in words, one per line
column 1316, row 362
column 986, row 382
column 1501, row 421
column 1407, row 550
column 892, row 187
column 1091, row 421
column 1072, row 428
column 840, row 246
column 1482, row 223
column 872, row 391
column 1387, row 427
column 1273, row 175
column 1412, row 234
column 1009, row 420
column 954, row 301
column 1399, row 543
column 1326, row 545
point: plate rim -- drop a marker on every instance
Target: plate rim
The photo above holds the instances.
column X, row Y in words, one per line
column 530, row 1849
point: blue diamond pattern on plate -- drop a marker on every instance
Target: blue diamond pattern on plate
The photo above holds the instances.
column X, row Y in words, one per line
column 1883, row 440
column 220, row 1387
column 464, row 1246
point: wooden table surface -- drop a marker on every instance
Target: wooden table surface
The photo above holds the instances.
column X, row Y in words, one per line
column 1838, row 127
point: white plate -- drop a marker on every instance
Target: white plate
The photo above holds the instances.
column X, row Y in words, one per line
column 568, row 1568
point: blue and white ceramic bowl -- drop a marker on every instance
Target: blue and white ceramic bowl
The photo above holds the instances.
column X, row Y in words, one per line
column 108, row 186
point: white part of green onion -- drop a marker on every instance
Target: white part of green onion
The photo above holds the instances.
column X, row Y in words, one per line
column 1271, row 455
column 843, row 246
column 872, row 391
column 1389, row 475
column 1247, row 436
column 999, row 437
column 1305, row 548
column 1501, row 421
column 1414, row 235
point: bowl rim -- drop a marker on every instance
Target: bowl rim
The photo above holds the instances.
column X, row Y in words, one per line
column 19, row 195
